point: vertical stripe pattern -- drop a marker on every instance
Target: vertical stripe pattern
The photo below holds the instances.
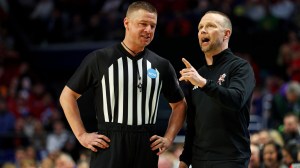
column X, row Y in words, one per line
column 125, row 103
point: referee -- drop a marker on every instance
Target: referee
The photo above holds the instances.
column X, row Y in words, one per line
column 127, row 80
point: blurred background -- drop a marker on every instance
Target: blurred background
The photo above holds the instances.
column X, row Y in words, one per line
column 42, row 42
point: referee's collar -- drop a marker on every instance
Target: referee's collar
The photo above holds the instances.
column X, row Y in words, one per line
column 136, row 57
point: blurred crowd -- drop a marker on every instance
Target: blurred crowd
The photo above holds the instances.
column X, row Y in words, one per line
column 52, row 21
column 33, row 130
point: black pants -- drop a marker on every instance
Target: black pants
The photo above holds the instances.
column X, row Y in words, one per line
column 239, row 163
column 129, row 147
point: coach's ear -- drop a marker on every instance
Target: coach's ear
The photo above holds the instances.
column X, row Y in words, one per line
column 227, row 34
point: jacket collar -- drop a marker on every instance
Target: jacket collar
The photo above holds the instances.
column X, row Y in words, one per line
column 221, row 57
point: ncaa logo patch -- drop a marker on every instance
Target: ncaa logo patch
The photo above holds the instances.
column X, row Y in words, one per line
column 152, row 73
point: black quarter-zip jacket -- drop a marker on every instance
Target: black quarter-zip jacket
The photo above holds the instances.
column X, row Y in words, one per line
column 218, row 113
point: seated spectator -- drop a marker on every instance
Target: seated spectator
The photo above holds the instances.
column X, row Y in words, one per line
column 49, row 116
column 28, row 163
column 40, row 17
column 8, row 165
column 32, row 154
column 255, row 10
column 276, row 137
column 293, row 97
column 19, row 139
column 64, row 161
column 289, row 153
column 36, row 100
column 255, row 156
column 264, row 137
column 289, row 56
column 255, row 139
column 38, row 139
column 83, row 164
column 47, row 163
column 84, row 155
column 58, row 138
column 272, row 156
column 291, row 128
column 286, row 102
column 7, row 119
column 20, row 155
column 282, row 9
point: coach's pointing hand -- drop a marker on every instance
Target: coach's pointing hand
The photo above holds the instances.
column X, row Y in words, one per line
column 190, row 74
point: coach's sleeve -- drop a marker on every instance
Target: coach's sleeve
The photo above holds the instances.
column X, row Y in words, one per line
column 186, row 155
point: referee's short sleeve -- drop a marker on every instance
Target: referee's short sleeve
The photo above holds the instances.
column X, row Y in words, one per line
column 83, row 77
column 171, row 88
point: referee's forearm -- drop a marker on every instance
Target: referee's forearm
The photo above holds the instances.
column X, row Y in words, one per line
column 176, row 120
column 69, row 105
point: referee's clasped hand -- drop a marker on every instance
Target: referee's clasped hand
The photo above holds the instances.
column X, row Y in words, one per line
column 94, row 140
column 161, row 143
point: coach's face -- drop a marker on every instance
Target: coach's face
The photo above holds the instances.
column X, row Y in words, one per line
column 140, row 27
column 211, row 32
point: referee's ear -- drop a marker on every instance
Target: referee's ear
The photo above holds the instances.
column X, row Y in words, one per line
column 125, row 23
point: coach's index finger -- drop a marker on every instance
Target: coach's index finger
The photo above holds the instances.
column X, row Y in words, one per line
column 187, row 63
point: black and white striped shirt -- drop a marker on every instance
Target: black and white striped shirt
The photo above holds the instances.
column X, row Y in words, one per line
column 126, row 88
